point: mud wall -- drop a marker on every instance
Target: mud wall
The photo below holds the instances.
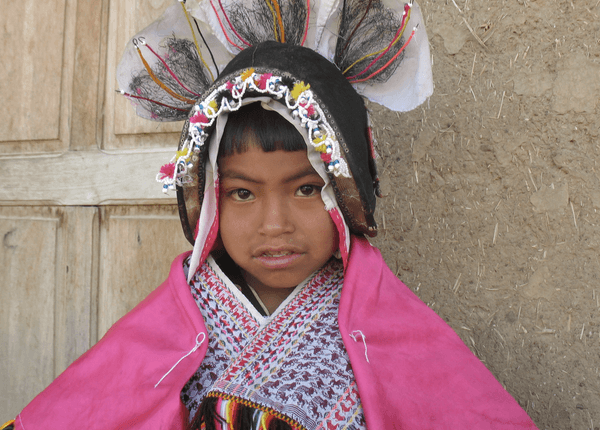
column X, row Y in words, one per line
column 491, row 214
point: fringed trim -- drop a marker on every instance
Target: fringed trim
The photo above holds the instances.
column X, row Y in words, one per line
column 9, row 425
column 299, row 99
column 219, row 411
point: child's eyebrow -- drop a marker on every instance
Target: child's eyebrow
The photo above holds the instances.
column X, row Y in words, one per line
column 309, row 171
column 238, row 175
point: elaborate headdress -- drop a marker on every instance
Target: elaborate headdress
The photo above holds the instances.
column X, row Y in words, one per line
column 307, row 60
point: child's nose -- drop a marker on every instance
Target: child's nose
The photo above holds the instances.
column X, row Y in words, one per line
column 276, row 218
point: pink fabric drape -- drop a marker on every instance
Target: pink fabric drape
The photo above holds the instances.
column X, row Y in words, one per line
column 419, row 374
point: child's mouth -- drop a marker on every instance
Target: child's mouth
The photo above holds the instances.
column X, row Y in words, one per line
column 276, row 254
column 278, row 259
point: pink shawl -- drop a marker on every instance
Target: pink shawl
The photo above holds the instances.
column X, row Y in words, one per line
column 412, row 370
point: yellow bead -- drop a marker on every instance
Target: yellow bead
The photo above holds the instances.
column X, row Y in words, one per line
column 183, row 153
column 319, row 139
column 321, row 148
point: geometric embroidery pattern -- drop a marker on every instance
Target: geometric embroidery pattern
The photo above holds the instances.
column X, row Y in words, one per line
column 296, row 365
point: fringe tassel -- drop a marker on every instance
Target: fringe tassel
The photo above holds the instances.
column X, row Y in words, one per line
column 9, row 425
column 277, row 424
column 207, row 416
column 238, row 416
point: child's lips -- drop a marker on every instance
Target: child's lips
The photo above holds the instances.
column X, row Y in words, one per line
column 278, row 259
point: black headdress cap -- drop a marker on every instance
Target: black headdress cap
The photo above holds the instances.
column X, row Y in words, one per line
column 343, row 110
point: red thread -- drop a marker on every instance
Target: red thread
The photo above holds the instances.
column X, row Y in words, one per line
column 230, row 26
column 400, row 30
column 371, row 142
column 357, row 25
column 307, row 20
column 337, row 220
column 388, row 63
column 171, row 72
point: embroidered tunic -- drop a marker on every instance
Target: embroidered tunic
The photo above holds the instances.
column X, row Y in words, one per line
column 291, row 365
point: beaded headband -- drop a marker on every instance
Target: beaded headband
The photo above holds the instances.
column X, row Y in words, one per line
column 228, row 97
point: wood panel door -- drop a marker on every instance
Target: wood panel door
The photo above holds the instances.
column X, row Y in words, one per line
column 86, row 232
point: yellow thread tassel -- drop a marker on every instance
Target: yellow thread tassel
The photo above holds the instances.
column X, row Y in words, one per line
column 160, row 84
column 274, row 20
column 263, row 421
column 196, row 41
column 229, row 413
column 277, row 20
column 299, row 88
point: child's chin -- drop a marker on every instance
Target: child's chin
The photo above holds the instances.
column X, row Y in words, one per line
column 276, row 279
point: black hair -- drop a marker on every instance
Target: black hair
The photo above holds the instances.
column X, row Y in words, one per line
column 254, row 125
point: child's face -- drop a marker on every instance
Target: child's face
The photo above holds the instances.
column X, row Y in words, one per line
column 273, row 222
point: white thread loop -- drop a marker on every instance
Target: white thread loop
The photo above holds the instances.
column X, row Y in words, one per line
column 364, row 339
column 194, row 349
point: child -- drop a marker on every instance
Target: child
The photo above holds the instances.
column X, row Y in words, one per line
column 283, row 316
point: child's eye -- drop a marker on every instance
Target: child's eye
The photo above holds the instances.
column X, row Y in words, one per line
column 241, row 195
column 307, row 190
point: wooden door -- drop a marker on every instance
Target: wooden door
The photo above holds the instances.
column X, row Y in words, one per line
column 86, row 232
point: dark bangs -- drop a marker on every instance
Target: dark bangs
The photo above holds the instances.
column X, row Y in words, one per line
column 252, row 125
